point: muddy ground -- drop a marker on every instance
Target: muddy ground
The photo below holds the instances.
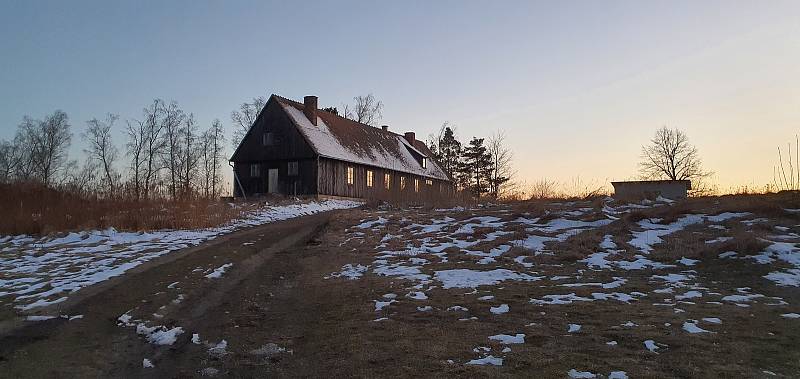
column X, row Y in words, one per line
column 282, row 310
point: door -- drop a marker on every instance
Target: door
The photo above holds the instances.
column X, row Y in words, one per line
column 272, row 180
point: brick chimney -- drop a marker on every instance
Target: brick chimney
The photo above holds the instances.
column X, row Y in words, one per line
column 410, row 137
column 310, row 108
column 385, row 128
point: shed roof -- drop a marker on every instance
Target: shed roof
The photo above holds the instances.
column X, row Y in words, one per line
column 687, row 183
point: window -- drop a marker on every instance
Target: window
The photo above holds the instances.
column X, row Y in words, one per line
column 387, row 179
column 268, row 139
column 402, row 182
column 429, row 182
column 292, row 169
column 424, row 162
column 370, row 178
column 349, row 175
column 255, row 170
column 416, row 185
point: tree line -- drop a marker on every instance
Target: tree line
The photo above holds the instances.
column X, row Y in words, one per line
column 481, row 166
column 165, row 154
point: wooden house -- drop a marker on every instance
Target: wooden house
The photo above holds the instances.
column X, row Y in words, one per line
column 297, row 149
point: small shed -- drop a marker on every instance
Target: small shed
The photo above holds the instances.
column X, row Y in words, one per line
column 670, row 189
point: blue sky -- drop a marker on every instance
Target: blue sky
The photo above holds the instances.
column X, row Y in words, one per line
column 577, row 86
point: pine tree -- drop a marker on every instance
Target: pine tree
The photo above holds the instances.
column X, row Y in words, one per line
column 476, row 167
column 449, row 152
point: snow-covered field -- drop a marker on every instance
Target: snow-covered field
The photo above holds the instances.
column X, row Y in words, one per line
column 530, row 271
column 36, row 272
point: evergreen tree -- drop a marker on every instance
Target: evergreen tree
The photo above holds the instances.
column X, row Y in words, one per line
column 476, row 167
column 449, row 152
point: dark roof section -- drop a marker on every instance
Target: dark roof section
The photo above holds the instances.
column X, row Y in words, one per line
column 340, row 138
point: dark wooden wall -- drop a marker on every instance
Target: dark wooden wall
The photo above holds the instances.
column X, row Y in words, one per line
column 304, row 183
column 333, row 182
column 288, row 145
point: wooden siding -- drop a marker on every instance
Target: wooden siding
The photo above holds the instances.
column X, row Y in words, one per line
column 304, row 183
column 288, row 143
column 333, row 182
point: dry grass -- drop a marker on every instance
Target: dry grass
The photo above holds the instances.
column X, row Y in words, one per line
column 35, row 209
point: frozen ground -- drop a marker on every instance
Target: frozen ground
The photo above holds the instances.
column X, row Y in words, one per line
column 36, row 272
column 651, row 280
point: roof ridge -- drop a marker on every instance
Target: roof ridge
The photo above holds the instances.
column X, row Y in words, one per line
column 297, row 104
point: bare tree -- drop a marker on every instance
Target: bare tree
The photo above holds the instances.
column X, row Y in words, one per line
column 101, row 149
column 670, row 156
column 190, row 154
column 153, row 128
column 780, row 179
column 12, row 156
column 137, row 139
column 47, row 142
column 244, row 118
column 172, row 121
column 366, row 110
column 212, row 143
column 502, row 171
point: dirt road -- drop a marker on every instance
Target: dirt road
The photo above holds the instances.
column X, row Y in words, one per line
column 180, row 290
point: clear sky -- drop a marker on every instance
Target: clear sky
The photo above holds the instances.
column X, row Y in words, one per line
column 578, row 86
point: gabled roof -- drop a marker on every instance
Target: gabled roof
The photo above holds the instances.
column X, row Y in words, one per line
column 343, row 139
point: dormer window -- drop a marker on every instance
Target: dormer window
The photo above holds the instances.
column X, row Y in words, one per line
column 424, row 162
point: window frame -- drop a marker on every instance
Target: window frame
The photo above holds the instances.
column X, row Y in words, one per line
column 416, row 185
column 296, row 171
column 402, row 183
column 370, row 178
column 387, row 181
column 350, row 175
column 255, row 170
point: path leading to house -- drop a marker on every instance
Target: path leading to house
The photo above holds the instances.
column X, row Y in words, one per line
column 154, row 312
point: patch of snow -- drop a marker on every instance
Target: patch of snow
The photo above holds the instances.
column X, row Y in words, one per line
column 652, row 346
column 573, row 328
column 159, row 335
column 487, row 361
column 147, row 364
column 466, row 278
column 508, row 339
column 575, row 374
column 379, row 305
column 559, row 299
column 371, row 224
column 39, row 318
column 350, row 272
column 687, row 261
column 502, row 308
column 417, row 295
column 219, row 271
column 691, row 327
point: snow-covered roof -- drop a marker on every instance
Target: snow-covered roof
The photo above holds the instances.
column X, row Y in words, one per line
column 343, row 139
